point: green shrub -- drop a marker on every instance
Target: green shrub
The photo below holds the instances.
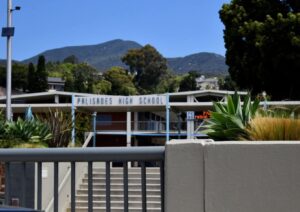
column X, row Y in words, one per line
column 229, row 119
column 60, row 124
column 28, row 131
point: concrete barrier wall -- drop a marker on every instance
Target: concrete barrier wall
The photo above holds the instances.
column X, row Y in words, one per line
column 184, row 176
column 233, row 176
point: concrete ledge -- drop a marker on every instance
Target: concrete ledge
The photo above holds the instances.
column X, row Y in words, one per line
column 184, row 176
column 252, row 176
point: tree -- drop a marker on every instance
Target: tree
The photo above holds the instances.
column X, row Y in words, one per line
column 148, row 66
column 121, row 81
column 169, row 83
column 188, row 83
column 31, row 78
column 41, row 75
column 227, row 84
column 84, row 78
column 71, row 59
column 262, row 38
column 19, row 76
column 102, row 87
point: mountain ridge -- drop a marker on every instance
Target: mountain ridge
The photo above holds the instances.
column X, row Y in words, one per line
column 102, row 56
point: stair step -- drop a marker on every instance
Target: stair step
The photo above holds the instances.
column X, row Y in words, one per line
column 120, row 175
column 114, row 209
column 120, row 186
column 119, row 191
column 83, row 197
column 133, row 204
column 130, row 170
column 119, row 180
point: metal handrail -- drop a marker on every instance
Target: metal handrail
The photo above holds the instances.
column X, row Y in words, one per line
column 89, row 155
column 99, row 154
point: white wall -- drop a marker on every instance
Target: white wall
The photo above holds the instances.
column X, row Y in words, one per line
column 184, row 176
column 233, row 177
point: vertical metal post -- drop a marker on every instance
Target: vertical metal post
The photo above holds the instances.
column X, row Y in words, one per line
column 94, row 128
column 73, row 185
column 90, row 186
column 7, row 183
column 125, row 179
column 162, row 185
column 167, row 117
column 73, row 120
column 144, row 186
column 23, row 199
column 39, row 184
column 8, row 63
column 107, row 185
column 55, row 190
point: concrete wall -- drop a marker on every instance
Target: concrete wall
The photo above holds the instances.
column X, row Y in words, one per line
column 232, row 176
column 184, row 176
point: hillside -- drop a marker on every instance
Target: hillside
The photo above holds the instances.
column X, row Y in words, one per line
column 108, row 54
column 211, row 63
column 101, row 56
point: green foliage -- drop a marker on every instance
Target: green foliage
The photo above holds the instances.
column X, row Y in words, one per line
column 227, row 84
column 71, row 59
column 102, row 87
column 60, row 126
column 169, row 83
column 25, row 131
column 262, row 39
column 188, row 83
column 121, row 81
column 2, row 124
column 19, row 76
column 148, row 66
column 229, row 120
column 41, row 75
column 31, row 77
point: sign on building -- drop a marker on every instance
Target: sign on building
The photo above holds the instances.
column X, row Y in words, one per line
column 105, row 100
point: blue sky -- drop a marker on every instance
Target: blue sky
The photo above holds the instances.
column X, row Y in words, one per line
column 174, row 27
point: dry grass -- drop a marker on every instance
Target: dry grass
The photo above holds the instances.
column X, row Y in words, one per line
column 272, row 129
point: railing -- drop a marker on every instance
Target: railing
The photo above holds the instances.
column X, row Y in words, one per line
column 157, row 126
column 89, row 155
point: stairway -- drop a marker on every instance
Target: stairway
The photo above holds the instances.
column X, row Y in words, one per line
column 117, row 204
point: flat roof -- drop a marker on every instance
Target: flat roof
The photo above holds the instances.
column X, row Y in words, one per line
column 175, row 106
column 198, row 93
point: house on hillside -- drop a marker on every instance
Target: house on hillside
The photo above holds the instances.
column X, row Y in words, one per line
column 56, row 83
column 207, row 83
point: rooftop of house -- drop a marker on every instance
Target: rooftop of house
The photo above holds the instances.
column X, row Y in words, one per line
column 55, row 80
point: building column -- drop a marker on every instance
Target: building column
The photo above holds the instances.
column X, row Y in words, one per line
column 56, row 99
column 128, row 130
column 94, row 129
column 136, row 121
column 190, row 115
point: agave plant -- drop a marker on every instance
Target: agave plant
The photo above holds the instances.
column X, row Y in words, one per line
column 229, row 119
column 27, row 131
column 2, row 125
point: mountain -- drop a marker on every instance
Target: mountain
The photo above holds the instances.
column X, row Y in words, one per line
column 210, row 63
column 108, row 54
column 101, row 56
